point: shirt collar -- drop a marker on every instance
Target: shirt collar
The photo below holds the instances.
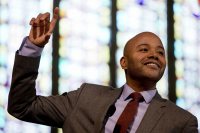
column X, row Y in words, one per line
column 148, row 95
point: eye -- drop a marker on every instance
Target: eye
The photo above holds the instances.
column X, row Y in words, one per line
column 144, row 49
column 161, row 53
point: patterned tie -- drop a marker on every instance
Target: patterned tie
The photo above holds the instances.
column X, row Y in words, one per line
column 128, row 115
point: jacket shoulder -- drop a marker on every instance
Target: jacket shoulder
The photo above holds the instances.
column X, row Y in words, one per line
column 96, row 86
column 178, row 110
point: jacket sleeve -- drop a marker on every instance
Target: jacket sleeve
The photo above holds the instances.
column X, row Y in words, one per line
column 191, row 126
column 24, row 104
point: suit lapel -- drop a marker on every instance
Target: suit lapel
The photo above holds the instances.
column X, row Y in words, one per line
column 108, row 100
column 152, row 115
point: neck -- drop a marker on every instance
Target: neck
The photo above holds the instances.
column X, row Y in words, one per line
column 139, row 86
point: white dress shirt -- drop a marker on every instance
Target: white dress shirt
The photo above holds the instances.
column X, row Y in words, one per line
column 121, row 104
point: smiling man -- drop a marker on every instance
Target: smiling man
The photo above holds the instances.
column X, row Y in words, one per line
column 135, row 107
column 144, row 61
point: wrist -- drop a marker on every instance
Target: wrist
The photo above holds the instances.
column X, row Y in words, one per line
column 29, row 49
column 29, row 41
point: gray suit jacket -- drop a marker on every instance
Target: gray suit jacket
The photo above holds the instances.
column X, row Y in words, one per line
column 87, row 109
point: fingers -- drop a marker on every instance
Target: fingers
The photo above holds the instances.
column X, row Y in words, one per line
column 45, row 20
column 42, row 28
column 40, row 20
column 40, row 25
column 32, row 21
column 54, row 19
column 45, row 17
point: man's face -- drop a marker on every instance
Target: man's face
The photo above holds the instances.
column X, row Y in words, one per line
column 144, row 58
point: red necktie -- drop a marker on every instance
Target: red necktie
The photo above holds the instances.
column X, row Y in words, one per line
column 128, row 115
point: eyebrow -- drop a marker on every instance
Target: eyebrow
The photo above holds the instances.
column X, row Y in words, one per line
column 145, row 44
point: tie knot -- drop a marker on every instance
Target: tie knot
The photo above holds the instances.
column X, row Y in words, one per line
column 136, row 96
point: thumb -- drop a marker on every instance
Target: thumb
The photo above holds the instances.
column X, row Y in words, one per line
column 54, row 20
column 47, row 36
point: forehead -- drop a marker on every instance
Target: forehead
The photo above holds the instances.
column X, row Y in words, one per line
column 148, row 39
column 143, row 39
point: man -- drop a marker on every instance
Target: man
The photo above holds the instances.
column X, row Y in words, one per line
column 95, row 108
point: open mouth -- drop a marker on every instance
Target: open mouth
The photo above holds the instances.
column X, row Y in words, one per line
column 152, row 64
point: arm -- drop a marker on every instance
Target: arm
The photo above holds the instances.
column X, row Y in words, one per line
column 23, row 102
column 191, row 126
column 25, row 105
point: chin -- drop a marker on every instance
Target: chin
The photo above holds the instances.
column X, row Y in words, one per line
column 154, row 77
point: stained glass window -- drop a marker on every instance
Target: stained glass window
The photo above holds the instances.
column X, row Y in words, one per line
column 14, row 26
column 84, row 37
column 187, row 31
column 135, row 16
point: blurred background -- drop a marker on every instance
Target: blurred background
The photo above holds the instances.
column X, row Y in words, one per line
column 87, row 44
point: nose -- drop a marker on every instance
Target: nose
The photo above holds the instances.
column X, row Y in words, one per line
column 153, row 55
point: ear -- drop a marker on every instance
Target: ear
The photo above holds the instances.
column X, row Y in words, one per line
column 123, row 62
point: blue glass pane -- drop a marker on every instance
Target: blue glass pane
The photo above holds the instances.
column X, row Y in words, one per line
column 187, row 46
column 84, row 38
column 14, row 26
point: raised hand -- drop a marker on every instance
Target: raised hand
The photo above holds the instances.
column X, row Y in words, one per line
column 42, row 28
